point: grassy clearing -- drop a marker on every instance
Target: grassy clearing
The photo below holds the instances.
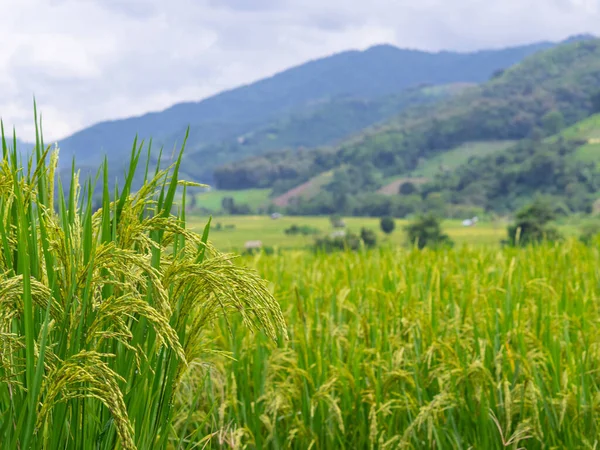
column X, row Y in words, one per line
column 255, row 198
column 103, row 313
column 467, row 348
column 307, row 190
column 586, row 130
column 458, row 156
column 589, row 153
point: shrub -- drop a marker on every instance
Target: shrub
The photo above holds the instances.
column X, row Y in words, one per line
column 102, row 314
column 368, row 237
column 337, row 221
column 349, row 241
column 229, row 206
column 303, row 229
column 426, row 231
column 553, row 122
column 387, row 224
column 589, row 233
column 531, row 225
column 266, row 250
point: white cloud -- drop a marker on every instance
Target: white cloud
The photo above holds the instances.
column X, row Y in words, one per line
column 92, row 60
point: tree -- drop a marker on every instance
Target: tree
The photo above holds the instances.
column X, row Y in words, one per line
column 368, row 237
column 435, row 203
column 387, row 224
column 531, row 225
column 407, row 188
column 536, row 134
column 227, row 204
column 596, row 103
column 426, row 231
column 553, row 122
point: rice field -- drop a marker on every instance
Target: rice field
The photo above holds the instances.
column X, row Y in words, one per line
column 125, row 327
column 475, row 348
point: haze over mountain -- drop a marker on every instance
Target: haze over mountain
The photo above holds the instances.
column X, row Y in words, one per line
column 218, row 121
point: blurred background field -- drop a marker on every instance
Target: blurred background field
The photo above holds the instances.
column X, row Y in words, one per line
column 237, row 230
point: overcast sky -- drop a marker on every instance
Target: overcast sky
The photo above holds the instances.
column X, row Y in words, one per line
column 92, row 60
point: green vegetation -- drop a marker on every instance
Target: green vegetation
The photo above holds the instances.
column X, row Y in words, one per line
column 368, row 237
column 426, row 231
column 531, row 225
column 103, row 315
column 507, row 181
column 587, row 132
column 212, row 201
column 235, row 231
column 590, row 233
column 407, row 188
column 338, row 242
column 387, row 224
column 553, row 122
column 458, row 156
column 483, row 348
column 329, row 123
column 346, row 240
column 305, row 230
column 113, row 334
column 526, row 103
column 272, row 232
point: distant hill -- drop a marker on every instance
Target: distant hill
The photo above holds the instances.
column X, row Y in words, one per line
column 312, row 88
column 329, row 124
column 564, row 167
column 531, row 100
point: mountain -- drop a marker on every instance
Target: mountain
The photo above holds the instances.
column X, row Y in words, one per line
column 536, row 97
column 329, row 124
column 219, row 121
column 23, row 148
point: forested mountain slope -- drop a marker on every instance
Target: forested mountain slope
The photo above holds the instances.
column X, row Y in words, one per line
column 537, row 97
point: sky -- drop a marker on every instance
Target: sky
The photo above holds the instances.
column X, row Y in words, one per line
column 87, row 61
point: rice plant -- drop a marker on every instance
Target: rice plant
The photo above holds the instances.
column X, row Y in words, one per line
column 103, row 311
column 465, row 348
